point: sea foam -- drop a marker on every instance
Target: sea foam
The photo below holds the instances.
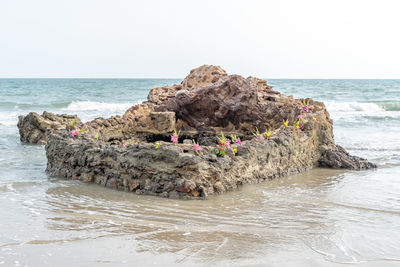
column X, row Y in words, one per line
column 352, row 106
column 100, row 106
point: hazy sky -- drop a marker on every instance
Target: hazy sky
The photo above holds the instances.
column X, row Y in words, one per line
column 270, row 39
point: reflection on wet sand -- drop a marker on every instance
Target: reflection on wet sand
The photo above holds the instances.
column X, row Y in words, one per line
column 312, row 215
column 232, row 226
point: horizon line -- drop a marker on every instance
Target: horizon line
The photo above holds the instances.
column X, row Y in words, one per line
column 164, row 78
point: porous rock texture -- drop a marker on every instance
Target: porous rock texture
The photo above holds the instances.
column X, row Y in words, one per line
column 36, row 129
column 207, row 102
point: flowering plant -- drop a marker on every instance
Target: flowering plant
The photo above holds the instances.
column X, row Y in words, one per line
column 267, row 133
column 174, row 137
column 235, row 150
column 286, row 123
column 77, row 132
column 236, row 140
column 223, row 141
column 158, row 145
column 220, row 150
column 300, row 122
column 235, row 143
column 259, row 136
column 126, row 144
column 96, row 137
column 71, row 124
column 305, row 106
column 197, row 147
column 223, row 145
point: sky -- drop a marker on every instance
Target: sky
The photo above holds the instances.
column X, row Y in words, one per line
column 165, row 39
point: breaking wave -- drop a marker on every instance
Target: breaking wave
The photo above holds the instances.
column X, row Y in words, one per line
column 100, row 106
column 352, row 107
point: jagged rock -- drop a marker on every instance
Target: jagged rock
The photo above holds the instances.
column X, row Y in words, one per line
column 202, row 76
column 338, row 158
column 36, row 129
column 207, row 102
column 235, row 104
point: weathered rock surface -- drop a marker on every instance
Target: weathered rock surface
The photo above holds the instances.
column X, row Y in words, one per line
column 207, row 102
column 177, row 171
column 234, row 104
column 202, row 76
column 338, row 158
column 36, row 129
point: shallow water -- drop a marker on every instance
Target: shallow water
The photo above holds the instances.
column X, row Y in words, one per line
column 319, row 218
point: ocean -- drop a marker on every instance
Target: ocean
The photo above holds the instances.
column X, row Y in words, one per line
column 319, row 218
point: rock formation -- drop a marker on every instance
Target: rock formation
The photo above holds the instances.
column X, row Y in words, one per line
column 133, row 152
column 36, row 129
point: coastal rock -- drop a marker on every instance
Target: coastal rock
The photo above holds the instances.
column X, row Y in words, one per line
column 234, row 104
column 177, row 170
column 160, row 94
column 338, row 158
column 203, row 76
column 36, row 129
column 134, row 152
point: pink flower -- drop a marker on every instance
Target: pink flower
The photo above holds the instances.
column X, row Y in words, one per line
column 238, row 142
column 306, row 108
column 197, row 148
column 125, row 144
column 174, row 138
column 300, row 116
column 260, row 137
column 228, row 143
column 75, row 132
column 302, row 125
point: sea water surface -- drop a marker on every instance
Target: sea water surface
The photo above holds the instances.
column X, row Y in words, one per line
column 319, row 218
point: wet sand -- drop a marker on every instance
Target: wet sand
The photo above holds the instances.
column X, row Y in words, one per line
column 319, row 218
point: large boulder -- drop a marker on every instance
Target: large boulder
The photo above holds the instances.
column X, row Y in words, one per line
column 133, row 152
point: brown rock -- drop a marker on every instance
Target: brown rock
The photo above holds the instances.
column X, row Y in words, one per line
column 338, row 158
column 206, row 102
column 218, row 187
column 202, row 76
column 186, row 187
column 233, row 104
column 36, row 129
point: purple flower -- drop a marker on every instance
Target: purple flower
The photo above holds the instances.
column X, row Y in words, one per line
column 238, row 142
column 302, row 125
column 306, row 109
column 300, row 116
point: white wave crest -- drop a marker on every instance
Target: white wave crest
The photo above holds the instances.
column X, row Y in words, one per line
column 8, row 123
column 352, row 107
column 7, row 187
column 98, row 106
column 8, row 118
